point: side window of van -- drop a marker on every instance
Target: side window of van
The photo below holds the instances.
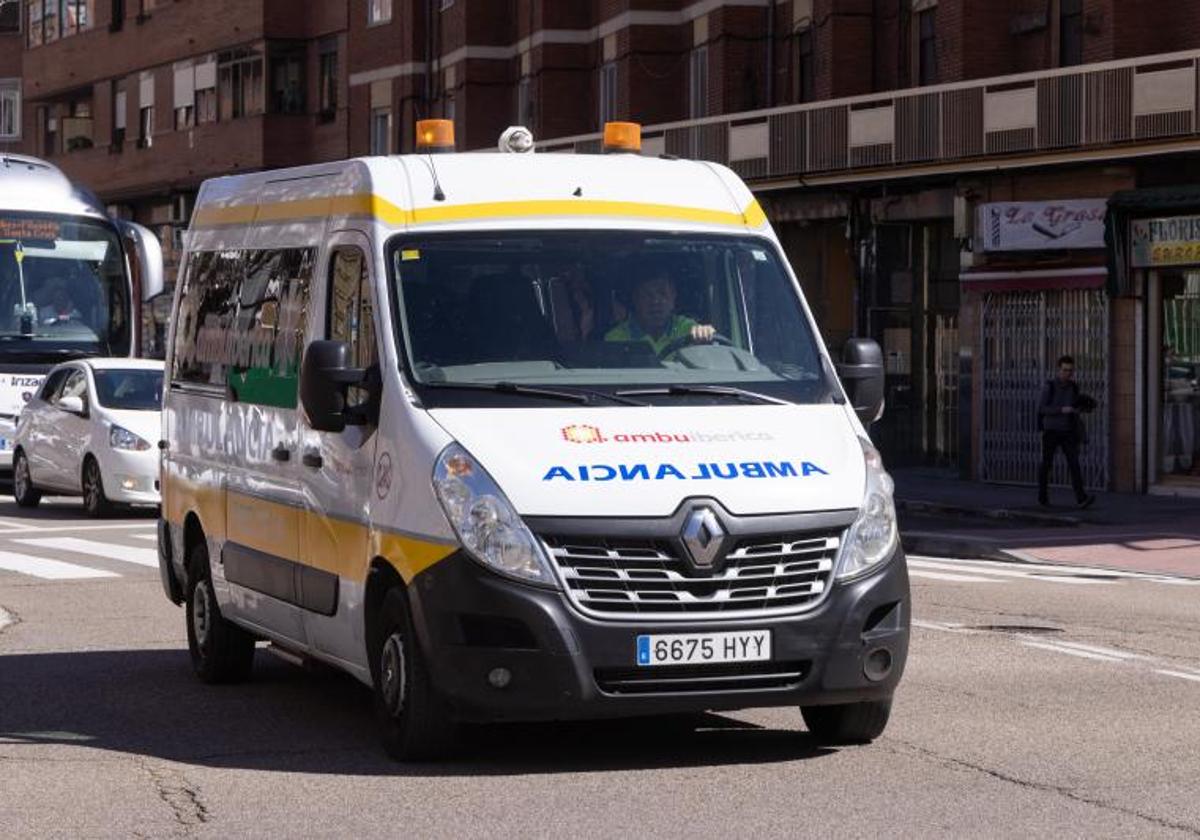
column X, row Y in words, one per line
column 241, row 323
column 352, row 313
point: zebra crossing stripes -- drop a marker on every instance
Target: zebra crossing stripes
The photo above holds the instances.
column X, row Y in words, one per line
column 43, row 557
column 122, row 553
column 47, row 569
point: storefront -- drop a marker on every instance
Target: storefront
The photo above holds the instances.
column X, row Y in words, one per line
column 1165, row 251
column 1037, row 291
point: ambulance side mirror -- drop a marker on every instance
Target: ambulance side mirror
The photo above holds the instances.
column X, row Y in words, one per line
column 325, row 374
column 861, row 372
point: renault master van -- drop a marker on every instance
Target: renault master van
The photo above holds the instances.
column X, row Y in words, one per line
column 524, row 436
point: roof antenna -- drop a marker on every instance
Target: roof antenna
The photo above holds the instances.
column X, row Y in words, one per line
column 438, row 195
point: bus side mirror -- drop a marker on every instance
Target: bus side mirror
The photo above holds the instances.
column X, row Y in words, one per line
column 325, row 374
column 861, row 372
column 148, row 258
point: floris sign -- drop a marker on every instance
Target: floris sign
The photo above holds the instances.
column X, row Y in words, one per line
column 1171, row 241
column 1042, row 225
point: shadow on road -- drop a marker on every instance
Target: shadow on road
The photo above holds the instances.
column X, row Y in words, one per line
column 65, row 508
column 148, row 703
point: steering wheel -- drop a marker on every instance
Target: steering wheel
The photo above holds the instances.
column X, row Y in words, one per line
column 686, row 341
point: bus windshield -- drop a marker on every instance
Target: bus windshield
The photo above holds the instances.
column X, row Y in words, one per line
column 625, row 315
column 63, row 287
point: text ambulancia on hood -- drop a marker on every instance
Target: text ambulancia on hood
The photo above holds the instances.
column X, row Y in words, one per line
column 700, row 471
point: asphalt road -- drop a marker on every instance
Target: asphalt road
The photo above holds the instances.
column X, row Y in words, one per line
column 1037, row 702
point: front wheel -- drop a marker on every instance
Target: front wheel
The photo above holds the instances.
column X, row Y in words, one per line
column 24, row 492
column 95, row 501
column 221, row 651
column 848, row 723
column 416, row 724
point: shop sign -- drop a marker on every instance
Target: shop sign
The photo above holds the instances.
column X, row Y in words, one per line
column 1170, row 241
column 1042, row 225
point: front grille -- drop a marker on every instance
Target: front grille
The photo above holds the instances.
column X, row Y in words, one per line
column 653, row 579
column 680, row 679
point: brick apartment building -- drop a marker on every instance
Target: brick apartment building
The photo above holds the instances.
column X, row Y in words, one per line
column 922, row 160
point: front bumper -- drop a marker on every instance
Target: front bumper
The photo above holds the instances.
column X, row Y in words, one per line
column 130, row 477
column 566, row 666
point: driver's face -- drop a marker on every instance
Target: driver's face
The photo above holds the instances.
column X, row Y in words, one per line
column 654, row 302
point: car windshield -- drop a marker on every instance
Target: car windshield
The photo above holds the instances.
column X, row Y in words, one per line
column 632, row 316
column 63, row 287
column 129, row 390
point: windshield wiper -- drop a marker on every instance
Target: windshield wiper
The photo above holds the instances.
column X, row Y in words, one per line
column 514, row 388
column 740, row 394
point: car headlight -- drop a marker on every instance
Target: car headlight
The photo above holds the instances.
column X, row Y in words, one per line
column 484, row 520
column 872, row 538
column 121, row 438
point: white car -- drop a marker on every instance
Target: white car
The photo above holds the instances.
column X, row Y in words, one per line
column 92, row 430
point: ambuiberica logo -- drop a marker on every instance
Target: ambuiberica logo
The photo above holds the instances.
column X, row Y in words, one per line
column 665, row 471
column 583, row 433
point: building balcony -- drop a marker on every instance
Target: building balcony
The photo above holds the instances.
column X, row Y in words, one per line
column 1116, row 109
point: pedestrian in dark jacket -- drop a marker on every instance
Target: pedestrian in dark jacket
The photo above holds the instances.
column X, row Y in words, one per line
column 1058, row 412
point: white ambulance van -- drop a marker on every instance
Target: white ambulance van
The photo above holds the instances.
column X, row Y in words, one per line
column 524, row 437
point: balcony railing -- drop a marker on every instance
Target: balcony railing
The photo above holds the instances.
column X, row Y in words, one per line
column 1148, row 99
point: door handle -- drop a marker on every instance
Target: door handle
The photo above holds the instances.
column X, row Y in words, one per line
column 281, row 453
column 312, row 459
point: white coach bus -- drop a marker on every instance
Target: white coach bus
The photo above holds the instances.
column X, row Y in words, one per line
column 72, row 281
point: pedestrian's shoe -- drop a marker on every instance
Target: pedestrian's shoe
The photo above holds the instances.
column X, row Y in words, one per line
column 1086, row 502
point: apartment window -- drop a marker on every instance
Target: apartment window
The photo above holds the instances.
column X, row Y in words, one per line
column 608, row 92
column 240, row 83
column 698, row 83
column 525, row 101
column 33, row 32
column 10, row 109
column 927, row 47
column 206, row 92
column 446, row 4
column 381, row 131
column 378, row 11
column 185, row 95
column 120, row 100
column 1070, row 33
column 287, row 80
column 327, row 81
column 77, row 16
column 10, row 16
column 805, row 67
column 77, row 126
column 145, row 110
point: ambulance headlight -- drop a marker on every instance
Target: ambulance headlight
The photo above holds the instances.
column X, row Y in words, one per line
column 486, row 524
column 873, row 537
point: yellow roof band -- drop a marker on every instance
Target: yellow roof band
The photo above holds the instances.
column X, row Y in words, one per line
column 374, row 206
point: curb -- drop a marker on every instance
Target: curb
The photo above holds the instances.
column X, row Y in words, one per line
column 949, row 545
column 1006, row 514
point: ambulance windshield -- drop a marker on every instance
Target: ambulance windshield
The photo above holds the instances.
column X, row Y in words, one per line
column 603, row 311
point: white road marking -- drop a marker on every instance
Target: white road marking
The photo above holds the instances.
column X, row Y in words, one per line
column 1103, row 651
column 1010, row 572
column 1073, row 652
column 109, row 551
column 145, row 536
column 5, row 618
column 53, row 529
column 1180, row 674
column 1035, row 570
column 42, row 567
column 937, row 625
column 944, row 576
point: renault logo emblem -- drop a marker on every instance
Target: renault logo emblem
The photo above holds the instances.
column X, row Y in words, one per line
column 703, row 535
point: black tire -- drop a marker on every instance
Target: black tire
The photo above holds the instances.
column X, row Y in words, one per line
column 415, row 722
column 221, row 651
column 95, row 501
column 849, row 723
column 24, row 492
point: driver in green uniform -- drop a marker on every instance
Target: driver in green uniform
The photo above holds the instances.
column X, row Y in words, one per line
column 654, row 319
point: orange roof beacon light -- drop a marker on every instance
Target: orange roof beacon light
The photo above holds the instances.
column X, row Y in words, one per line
column 435, row 136
column 622, row 137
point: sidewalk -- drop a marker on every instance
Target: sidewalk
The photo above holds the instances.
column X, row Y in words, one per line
column 943, row 515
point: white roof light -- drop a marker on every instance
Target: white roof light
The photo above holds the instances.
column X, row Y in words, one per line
column 516, row 139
